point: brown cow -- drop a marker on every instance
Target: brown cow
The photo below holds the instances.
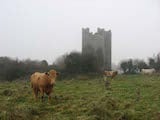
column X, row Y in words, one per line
column 111, row 74
column 43, row 83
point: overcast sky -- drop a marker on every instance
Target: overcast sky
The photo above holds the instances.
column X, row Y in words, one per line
column 46, row 29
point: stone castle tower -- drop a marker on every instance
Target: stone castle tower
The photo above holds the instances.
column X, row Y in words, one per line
column 98, row 44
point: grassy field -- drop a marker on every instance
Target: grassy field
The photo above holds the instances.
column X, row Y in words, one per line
column 130, row 97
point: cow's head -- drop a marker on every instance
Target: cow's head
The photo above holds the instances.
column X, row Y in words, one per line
column 52, row 75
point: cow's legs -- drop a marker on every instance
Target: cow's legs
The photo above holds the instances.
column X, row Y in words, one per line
column 35, row 91
column 42, row 93
column 49, row 97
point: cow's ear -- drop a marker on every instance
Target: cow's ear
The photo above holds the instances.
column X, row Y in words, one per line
column 46, row 73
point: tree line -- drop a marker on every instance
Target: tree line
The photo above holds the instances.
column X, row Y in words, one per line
column 76, row 62
column 133, row 66
column 69, row 64
column 12, row 69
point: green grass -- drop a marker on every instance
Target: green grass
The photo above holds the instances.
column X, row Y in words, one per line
column 130, row 97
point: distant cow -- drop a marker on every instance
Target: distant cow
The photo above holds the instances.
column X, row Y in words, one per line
column 111, row 74
column 43, row 83
column 148, row 71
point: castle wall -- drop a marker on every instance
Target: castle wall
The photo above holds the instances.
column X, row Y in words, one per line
column 96, row 43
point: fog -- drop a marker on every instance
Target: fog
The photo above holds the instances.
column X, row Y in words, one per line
column 47, row 29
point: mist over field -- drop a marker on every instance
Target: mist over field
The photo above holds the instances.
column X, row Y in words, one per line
column 46, row 72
